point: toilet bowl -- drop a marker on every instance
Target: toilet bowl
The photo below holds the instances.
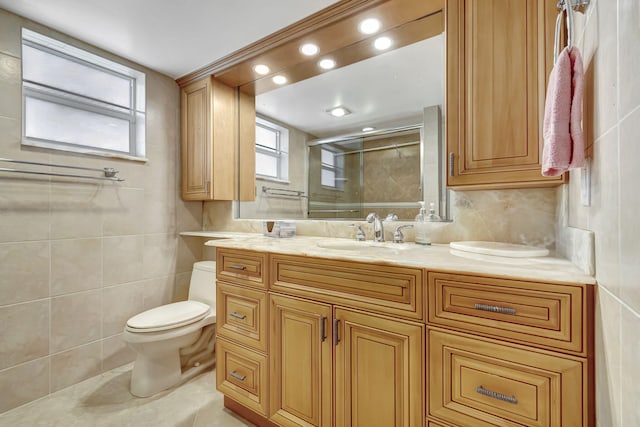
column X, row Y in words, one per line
column 175, row 342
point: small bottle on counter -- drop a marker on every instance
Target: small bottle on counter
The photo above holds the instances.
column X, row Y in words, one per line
column 422, row 237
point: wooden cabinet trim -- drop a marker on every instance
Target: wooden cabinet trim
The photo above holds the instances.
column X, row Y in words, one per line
column 242, row 375
column 555, row 388
column 242, row 267
column 242, row 315
column 550, row 316
column 379, row 288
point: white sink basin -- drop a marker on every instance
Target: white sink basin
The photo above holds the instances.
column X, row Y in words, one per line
column 508, row 250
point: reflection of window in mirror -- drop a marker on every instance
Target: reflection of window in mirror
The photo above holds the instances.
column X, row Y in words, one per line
column 332, row 169
column 272, row 150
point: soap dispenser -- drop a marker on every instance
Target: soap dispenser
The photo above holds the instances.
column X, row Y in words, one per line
column 422, row 237
column 433, row 216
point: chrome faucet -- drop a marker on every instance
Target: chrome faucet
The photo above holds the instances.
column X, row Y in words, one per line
column 378, row 228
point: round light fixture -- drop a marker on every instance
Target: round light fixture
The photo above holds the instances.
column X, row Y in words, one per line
column 261, row 69
column 309, row 49
column 368, row 129
column 339, row 112
column 382, row 43
column 279, row 79
column 327, row 64
column 369, row 26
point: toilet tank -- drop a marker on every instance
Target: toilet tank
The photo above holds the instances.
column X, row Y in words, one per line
column 203, row 283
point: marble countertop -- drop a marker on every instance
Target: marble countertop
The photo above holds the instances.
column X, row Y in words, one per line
column 435, row 257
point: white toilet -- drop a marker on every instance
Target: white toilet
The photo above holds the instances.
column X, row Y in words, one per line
column 175, row 342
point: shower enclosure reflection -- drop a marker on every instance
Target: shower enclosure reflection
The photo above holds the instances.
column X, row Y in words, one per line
column 351, row 176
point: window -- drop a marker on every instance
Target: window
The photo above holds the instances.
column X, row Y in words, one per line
column 74, row 100
column 272, row 146
column 332, row 169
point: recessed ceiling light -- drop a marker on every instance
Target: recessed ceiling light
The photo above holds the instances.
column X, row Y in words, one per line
column 327, row 64
column 382, row 43
column 368, row 129
column 369, row 26
column 279, row 79
column 309, row 49
column 261, row 69
column 339, row 111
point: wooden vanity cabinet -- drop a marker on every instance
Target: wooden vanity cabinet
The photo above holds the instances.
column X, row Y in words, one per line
column 509, row 352
column 305, row 341
column 241, row 327
column 499, row 56
column 210, row 142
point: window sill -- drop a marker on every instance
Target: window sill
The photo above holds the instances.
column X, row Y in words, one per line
column 276, row 180
column 81, row 150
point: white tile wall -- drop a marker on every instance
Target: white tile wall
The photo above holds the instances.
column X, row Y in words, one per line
column 78, row 258
column 609, row 38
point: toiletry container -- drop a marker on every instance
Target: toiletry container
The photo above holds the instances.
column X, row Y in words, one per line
column 422, row 237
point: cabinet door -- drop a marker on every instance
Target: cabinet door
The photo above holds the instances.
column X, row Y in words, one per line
column 197, row 151
column 378, row 371
column 209, row 141
column 498, row 59
column 301, row 367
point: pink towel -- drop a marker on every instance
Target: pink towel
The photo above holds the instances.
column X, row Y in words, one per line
column 563, row 139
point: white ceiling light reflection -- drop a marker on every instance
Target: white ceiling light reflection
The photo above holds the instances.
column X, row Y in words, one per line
column 369, row 26
column 309, row 49
column 279, row 79
column 261, row 69
column 368, row 129
column 327, row 64
column 382, row 43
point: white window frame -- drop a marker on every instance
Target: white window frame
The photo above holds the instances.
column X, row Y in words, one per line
column 280, row 153
column 135, row 114
column 337, row 168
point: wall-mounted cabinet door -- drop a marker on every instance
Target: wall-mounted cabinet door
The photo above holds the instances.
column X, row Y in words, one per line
column 499, row 54
column 378, row 371
column 209, row 141
column 301, row 362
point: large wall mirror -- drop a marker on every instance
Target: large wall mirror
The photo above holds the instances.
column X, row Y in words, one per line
column 383, row 152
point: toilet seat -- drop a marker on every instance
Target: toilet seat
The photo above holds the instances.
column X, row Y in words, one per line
column 168, row 316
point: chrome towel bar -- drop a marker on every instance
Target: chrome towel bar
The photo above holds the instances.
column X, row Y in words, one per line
column 109, row 173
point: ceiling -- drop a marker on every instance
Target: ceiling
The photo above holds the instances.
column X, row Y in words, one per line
column 169, row 36
column 390, row 89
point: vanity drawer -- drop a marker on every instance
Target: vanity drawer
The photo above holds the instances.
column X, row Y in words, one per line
column 541, row 314
column 242, row 267
column 241, row 374
column 374, row 287
column 241, row 315
column 474, row 382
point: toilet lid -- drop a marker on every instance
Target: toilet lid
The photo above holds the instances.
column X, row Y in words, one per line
column 168, row 316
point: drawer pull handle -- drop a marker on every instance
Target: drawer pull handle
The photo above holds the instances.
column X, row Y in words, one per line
column 495, row 309
column 237, row 315
column 238, row 376
column 336, row 337
column 483, row 391
column 237, row 267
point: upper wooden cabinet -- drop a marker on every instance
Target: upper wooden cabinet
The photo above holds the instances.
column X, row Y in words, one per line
column 210, row 143
column 499, row 54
